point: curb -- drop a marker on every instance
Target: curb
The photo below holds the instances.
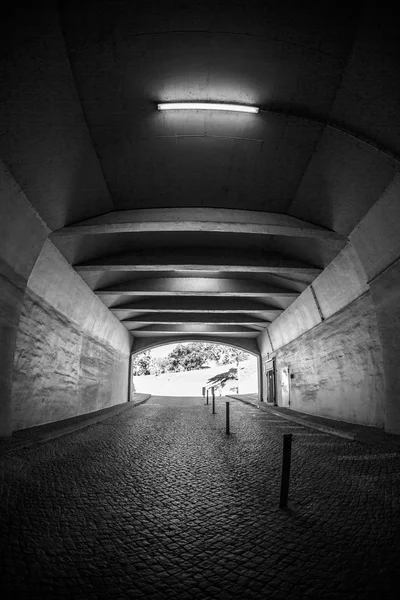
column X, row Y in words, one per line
column 300, row 421
column 47, row 437
column 353, row 436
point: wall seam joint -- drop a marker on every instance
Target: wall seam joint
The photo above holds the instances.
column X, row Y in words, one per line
column 270, row 341
column 384, row 270
column 317, row 303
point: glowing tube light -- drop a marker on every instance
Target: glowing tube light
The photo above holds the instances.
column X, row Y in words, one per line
column 207, row 106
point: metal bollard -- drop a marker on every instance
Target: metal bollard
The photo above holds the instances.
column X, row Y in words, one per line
column 287, row 449
column 213, row 411
column 227, row 418
column 207, row 396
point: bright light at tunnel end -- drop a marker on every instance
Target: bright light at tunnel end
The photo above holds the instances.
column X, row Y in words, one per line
column 207, row 106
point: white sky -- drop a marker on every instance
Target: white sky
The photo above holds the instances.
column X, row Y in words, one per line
column 163, row 351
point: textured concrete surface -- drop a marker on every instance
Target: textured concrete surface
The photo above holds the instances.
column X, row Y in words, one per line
column 342, row 182
column 385, row 291
column 301, row 316
column 11, row 298
column 341, row 282
column 337, row 367
column 56, row 282
column 59, row 371
column 72, row 354
column 377, row 237
column 22, row 231
column 159, row 503
column 45, row 141
column 22, row 234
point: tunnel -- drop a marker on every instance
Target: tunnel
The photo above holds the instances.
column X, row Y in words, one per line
column 206, row 366
column 124, row 226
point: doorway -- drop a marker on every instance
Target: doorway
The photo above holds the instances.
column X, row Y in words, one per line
column 285, row 387
column 270, row 382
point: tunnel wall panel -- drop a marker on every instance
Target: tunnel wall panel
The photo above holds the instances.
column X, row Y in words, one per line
column 11, row 298
column 264, row 344
column 22, row 234
column 340, row 283
column 337, row 367
column 54, row 280
column 72, row 354
column 45, row 140
column 103, row 376
column 46, row 365
column 385, row 291
column 301, row 316
column 377, row 238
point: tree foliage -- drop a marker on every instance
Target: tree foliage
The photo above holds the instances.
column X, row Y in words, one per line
column 222, row 379
column 226, row 355
column 187, row 357
column 141, row 363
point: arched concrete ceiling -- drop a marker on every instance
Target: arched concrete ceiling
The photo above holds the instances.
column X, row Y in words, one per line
column 199, row 223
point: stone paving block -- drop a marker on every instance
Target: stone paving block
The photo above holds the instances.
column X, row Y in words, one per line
column 158, row 502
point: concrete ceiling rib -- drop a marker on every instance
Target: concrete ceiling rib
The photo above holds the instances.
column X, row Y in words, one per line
column 192, row 304
column 195, row 318
column 201, row 328
column 198, row 260
column 203, row 286
column 206, row 220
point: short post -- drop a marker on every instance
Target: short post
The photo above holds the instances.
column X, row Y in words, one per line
column 227, row 418
column 207, row 395
column 287, row 450
column 213, row 393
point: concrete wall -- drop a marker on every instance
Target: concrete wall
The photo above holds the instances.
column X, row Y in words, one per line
column 337, row 367
column 377, row 242
column 340, row 338
column 72, row 354
column 22, row 234
column 329, row 339
column 385, row 290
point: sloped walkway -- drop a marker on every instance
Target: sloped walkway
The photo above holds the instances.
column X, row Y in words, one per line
column 351, row 431
column 50, row 431
column 159, row 503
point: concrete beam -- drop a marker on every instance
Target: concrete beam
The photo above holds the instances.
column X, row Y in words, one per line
column 201, row 286
column 140, row 344
column 193, row 328
column 195, row 318
column 198, row 220
column 199, row 260
column 205, row 305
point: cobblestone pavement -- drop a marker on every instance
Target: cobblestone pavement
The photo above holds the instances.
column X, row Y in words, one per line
column 375, row 436
column 158, row 502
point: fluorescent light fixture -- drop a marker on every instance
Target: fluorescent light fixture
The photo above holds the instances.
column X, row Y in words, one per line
column 207, row 106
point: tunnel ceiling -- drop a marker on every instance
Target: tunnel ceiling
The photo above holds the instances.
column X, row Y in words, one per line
column 196, row 222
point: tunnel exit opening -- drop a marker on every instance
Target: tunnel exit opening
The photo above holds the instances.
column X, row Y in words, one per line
column 185, row 368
